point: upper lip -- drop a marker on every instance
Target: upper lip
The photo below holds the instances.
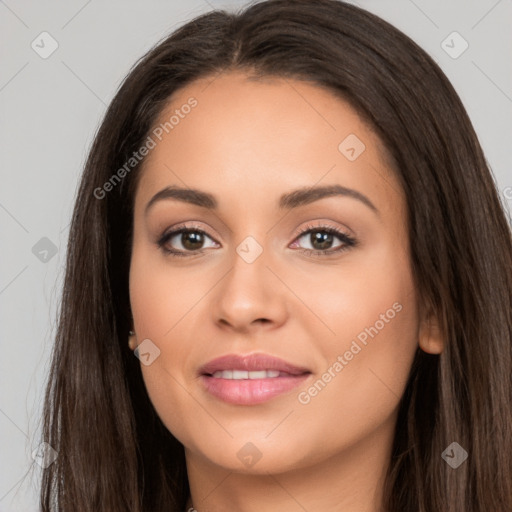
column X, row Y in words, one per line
column 251, row 362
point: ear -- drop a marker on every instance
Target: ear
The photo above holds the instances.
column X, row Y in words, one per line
column 431, row 339
column 132, row 342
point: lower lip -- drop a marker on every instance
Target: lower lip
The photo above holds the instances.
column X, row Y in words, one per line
column 251, row 391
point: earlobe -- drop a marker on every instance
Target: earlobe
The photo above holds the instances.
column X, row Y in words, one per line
column 430, row 338
column 132, row 341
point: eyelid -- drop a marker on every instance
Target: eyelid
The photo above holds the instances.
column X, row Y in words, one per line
column 322, row 225
column 300, row 231
column 185, row 226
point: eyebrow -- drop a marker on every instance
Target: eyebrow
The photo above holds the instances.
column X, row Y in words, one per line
column 288, row 201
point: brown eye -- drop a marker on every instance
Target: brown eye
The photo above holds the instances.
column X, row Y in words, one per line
column 181, row 241
column 192, row 240
column 321, row 240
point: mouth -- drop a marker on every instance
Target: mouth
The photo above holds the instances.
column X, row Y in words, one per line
column 250, row 379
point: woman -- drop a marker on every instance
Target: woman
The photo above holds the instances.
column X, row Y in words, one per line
column 206, row 359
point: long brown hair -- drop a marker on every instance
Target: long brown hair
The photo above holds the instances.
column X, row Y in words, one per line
column 114, row 453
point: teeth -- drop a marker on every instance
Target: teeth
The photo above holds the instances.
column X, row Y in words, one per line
column 243, row 374
column 257, row 374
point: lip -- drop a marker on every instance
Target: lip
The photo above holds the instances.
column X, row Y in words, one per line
column 251, row 391
column 251, row 362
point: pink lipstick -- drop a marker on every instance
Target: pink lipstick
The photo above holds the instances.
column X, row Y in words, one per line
column 250, row 379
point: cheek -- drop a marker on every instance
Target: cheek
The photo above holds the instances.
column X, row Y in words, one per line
column 357, row 394
column 161, row 303
column 351, row 295
column 382, row 339
column 368, row 361
column 160, row 296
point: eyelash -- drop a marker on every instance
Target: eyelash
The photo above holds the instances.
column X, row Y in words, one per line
column 348, row 241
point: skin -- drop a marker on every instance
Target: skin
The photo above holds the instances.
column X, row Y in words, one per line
column 247, row 142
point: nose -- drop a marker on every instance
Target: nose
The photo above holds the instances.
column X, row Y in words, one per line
column 250, row 296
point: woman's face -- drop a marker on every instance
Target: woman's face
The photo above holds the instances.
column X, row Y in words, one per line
column 261, row 156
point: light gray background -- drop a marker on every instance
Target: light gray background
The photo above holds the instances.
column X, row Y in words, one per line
column 50, row 109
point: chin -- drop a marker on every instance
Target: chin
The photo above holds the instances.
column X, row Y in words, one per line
column 254, row 458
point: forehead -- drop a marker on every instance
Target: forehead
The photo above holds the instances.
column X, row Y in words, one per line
column 247, row 137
